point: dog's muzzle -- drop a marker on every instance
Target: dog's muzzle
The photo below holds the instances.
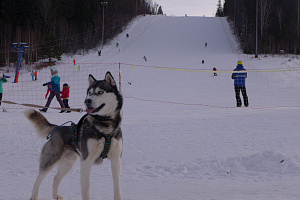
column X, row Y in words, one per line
column 90, row 109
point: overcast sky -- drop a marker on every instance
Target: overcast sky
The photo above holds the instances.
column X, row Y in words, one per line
column 189, row 7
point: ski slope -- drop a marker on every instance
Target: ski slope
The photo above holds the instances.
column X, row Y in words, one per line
column 183, row 136
column 171, row 42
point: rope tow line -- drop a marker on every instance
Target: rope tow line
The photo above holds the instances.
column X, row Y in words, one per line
column 37, row 106
column 223, row 71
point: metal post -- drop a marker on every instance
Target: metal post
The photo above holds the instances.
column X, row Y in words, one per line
column 19, row 48
column 103, row 5
column 146, row 4
column 120, row 82
column 256, row 52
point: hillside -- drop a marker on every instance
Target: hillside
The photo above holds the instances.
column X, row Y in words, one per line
column 183, row 136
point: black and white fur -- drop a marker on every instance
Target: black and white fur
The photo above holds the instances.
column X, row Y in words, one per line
column 103, row 103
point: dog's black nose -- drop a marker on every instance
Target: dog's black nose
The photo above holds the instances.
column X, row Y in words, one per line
column 88, row 101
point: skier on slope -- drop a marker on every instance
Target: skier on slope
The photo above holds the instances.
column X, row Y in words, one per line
column 240, row 85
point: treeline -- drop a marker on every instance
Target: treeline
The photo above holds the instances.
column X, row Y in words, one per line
column 278, row 24
column 53, row 27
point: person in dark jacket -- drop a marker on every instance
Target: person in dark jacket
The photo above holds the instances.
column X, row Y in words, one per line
column 55, row 90
column 240, row 84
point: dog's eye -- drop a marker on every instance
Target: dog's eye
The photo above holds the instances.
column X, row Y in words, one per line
column 100, row 92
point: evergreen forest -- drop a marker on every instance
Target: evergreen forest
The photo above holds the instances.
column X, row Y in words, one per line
column 55, row 27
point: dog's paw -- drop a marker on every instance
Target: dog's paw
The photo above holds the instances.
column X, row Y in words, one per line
column 57, row 197
column 117, row 197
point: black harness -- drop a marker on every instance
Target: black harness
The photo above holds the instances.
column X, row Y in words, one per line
column 74, row 133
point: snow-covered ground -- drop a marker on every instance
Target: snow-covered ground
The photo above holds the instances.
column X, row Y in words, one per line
column 183, row 136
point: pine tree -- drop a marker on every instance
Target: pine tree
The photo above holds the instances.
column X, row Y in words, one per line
column 49, row 48
column 160, row 11
column 219, row 12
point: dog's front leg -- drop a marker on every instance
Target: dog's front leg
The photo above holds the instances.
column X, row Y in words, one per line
column 116, row 173
column 85, row 174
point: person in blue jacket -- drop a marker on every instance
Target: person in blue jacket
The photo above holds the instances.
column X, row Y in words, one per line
column 240, row 84
column 55, row 90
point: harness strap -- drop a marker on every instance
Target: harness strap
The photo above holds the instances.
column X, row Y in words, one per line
column 51, row 133
column 107, row 145
column 74, row 134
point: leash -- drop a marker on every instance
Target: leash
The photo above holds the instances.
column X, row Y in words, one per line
column 73, row 128
column 37, row 106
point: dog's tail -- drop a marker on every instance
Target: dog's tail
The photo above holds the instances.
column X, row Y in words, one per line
column 41, row 124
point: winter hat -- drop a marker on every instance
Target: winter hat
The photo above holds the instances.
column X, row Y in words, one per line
column 54, row 71
column 65, row 84
column 240, row 62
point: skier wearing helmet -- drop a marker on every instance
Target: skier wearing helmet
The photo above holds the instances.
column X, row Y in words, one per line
column 240, row 84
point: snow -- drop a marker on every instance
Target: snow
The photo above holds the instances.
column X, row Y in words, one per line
column 183, row 136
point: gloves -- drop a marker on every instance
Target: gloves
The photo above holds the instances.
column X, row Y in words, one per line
column 44, row 84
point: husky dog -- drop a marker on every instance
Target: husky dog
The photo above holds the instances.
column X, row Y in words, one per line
column 96, row 136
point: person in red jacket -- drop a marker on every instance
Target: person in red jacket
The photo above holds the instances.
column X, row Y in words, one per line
column 65, row 96
column 48, row 91
column 215, row 71
column 35, row 74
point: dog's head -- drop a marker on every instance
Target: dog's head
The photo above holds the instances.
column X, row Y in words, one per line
column 103, row 97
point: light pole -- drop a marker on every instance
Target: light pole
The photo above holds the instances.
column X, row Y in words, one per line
column 103, row 3
column 256, row 52
column 135, row 7
column 146, row 4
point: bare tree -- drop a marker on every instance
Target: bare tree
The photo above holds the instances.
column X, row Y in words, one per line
column 298, row 17
column 265, row 11
column 279, row 15
column 47, row 12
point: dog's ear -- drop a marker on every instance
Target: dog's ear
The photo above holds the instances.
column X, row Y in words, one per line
column 91, row 80
column 110, row 79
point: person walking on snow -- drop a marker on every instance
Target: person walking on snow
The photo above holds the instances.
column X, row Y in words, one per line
column 2, row 80
column 35, row 74
column 145, row 58
column 55, row 90
column 240, row 84
column 215, row 71
column 65, row 95
column 32, row 75
column 74, row 61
